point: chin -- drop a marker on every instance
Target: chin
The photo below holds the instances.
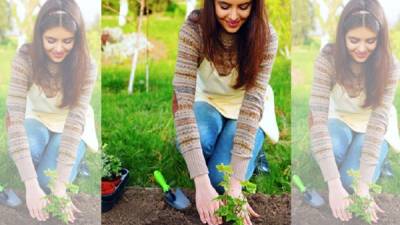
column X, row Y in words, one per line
column 357, row 60
column 231, row 30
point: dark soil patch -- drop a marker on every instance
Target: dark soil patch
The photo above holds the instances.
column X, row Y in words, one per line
column 303, row 214
column 90, row 207
column 141, row 206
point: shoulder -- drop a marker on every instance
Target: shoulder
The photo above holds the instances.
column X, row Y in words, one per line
column 92, row 68
column 395, row 67
column 325, row 57
column 23, row 56
column 191, row 27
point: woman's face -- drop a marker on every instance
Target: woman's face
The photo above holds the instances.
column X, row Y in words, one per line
column 232, row 14
column 57, row 43
column 360, row 43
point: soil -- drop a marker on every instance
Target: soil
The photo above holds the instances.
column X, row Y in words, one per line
column 140, row 206
column 303, row 214
column 90, row 207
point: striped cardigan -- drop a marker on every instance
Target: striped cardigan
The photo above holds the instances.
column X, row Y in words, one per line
column 188, row 60
column 21, row 80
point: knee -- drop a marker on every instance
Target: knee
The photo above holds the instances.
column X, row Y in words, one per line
column 207, row 143
column 216, row 178
column 43, row 181
column 347, row 182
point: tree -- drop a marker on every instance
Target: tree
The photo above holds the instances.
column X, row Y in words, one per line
column 302, row 20
column 4, row 18
column 279, row 14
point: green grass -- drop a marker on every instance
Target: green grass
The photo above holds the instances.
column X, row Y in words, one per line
column 302, row 163
column 139, row 128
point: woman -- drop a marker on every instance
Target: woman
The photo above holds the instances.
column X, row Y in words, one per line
column 223, row 105
column 50, row 121
column 352, row 117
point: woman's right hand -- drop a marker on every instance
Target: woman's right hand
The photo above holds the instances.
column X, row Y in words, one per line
column 339, row 200
column 35, row 200
column 205, row 203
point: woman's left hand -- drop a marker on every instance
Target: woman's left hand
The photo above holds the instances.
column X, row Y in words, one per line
column 236, row 191
column 60, row 190
column 363, row 191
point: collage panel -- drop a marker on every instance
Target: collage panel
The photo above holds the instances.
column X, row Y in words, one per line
column 345, row 71
column 50, row 110
column 171, row 99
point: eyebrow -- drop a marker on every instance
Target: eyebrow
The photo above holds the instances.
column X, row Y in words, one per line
column 223, row 2
column 50, row 37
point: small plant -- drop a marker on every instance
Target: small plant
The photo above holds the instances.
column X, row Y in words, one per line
column 233, row 208
column 111, row 166
column 360, row 204
column 57, row 205
column 1, row 188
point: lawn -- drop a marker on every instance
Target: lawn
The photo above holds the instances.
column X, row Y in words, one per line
column 139, row 128
column 302, row 162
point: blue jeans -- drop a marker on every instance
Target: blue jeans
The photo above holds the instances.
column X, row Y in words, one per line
column 44, row 146
column 347, row 148
column 216, row 137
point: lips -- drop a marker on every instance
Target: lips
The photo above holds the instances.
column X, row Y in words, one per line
column 361, row 55
column 233, row 24
column 58, row 55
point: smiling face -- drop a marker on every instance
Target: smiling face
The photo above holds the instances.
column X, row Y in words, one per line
column 57, row 43
column 360, row 43
column 232, row 14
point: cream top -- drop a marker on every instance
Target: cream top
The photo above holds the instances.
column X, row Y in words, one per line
column 217, row 91
column 46, row 110
column 350, row 111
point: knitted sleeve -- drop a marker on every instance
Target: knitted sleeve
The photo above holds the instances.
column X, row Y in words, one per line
column 321, row 145
column 18, row 146
column 376, row 127
column 184, row 87
column 251, row 112
column 73, row 128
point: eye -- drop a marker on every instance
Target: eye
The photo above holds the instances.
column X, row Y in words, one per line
column 244, row 6
column 51, row 40
column 68, row 41
column 371, row 41
column 354, row 40
column 224, row 5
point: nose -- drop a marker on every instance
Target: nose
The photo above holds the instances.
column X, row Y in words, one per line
column 234, row 15
column 362, row 47
column 58, row 47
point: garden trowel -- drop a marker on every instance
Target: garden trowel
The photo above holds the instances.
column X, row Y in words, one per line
column 311, row 196
column 9, row 198
column 177, row 199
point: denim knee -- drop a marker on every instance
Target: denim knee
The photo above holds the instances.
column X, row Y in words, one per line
column 216, row 178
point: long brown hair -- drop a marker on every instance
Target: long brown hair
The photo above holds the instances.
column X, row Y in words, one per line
column 364, row 13
column 75, row 67
column 252, row 39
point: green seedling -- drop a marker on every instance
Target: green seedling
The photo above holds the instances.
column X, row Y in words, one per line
column 360, row 205
column 1, row 188
column 57, row 206
column 112, row 166
column 233, row 208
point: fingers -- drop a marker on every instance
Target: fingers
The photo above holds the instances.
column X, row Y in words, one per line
column 379, row 209
column 252, row 212
column 202, row 215
column 71, row 217
column 31, row 212
column 76, row 209
column 247, row 220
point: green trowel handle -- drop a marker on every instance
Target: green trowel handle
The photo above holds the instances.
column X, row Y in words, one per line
column 297, row 181
column 160, row 180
